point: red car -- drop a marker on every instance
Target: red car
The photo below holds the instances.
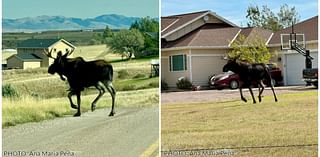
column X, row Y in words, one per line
column 231, row 80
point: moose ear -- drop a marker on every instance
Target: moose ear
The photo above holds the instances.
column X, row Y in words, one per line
column 59, row 54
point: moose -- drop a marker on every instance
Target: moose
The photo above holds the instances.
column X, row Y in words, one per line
column 249, row 73
column 81, row 74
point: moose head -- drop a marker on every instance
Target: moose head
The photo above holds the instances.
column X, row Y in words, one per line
column 59, row 62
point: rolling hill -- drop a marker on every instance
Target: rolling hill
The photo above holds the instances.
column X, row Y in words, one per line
column 44, row 23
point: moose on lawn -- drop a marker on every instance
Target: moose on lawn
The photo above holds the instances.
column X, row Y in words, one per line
column 249, row 73
column 81, row 74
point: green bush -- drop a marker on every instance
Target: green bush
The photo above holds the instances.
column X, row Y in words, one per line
column 184, row 83
column 139, row 76
column 164, row 85
column 123, row 74
column 9, row 91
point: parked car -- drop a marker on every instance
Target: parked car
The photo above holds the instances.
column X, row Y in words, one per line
column 232, row 81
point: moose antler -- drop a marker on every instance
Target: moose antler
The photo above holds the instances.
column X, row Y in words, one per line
column 48, row 53
column 70, row 52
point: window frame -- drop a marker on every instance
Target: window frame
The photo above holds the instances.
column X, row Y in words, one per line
column 184, row 62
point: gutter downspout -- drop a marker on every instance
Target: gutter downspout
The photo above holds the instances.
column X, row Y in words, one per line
column 190, row 65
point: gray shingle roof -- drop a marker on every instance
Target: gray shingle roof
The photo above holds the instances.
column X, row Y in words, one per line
column 28, row 57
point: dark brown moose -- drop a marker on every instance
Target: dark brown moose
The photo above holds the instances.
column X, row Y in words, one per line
column 81, row 74
column 249, row 73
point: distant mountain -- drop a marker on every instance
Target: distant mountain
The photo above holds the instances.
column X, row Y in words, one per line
column 43, row 23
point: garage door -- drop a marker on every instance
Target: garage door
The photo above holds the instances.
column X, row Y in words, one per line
column 295, row 63
column 205, row 66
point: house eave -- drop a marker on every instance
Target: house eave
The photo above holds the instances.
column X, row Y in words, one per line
column 194, row 47
column 195, row 19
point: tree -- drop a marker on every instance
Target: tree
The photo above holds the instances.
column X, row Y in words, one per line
column 126, row 42
column 267, row 19
column 107, row 33
column 150, row 29
column 146, row 24
column 252, row 51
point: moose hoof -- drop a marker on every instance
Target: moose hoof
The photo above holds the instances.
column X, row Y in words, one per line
column 245, row 100
column 111, row 114
column 78, row 114
column 93, row 107
column 74, row 106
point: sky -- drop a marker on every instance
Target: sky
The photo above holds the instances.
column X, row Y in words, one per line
column 235, row 10
column 12, row 9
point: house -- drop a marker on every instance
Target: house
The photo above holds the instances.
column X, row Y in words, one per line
column 30, row 53
column 194, row 45
column 290, row 61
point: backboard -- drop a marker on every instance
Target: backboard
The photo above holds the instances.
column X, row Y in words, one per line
column 286, row 40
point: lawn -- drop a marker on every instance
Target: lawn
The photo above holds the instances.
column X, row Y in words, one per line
column 287, row 128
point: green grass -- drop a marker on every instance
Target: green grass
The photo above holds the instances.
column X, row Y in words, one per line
column 291, row 121
column 29, row 109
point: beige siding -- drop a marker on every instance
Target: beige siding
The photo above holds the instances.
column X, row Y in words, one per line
column 14, row 62
column 205, row 66
column 206, row 63
column 29, row 65
column 279, row 58
column 213, row 19
column 171, row 77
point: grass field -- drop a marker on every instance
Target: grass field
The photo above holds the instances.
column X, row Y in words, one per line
column 30, row 109
column 285, row 129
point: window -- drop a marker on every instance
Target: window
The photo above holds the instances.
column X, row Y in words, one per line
column 178, row 63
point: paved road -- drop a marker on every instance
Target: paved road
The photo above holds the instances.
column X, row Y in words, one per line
column 224, row 95
column 133, row 132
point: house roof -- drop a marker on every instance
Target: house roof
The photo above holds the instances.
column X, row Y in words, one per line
column 170, row 24
column 40, row 43
column 27, row 57
column 308, row 27
column 254, row 33
column 211, row 35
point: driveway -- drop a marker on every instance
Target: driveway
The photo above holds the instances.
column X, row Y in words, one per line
column 224, row 95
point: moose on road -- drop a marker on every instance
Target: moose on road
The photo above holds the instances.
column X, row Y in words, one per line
column 81, row 74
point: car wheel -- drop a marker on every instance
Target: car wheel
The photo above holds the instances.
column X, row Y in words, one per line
column 234, row 84
column 315, row 84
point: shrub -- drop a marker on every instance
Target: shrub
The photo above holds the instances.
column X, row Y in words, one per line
column 9, row 91
column 164, row 85
column 184, row 83
column 123, row 74
column 139, row 76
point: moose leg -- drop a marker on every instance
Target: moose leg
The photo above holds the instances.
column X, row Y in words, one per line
column 112, row 91
column 260, row 92
column 70, row 99
column 78, row 114
column 254, row 100
column 101, row 92
column 242, row 98
column 274, row 94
